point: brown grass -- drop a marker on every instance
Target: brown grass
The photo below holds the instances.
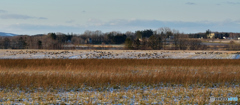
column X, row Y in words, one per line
column 57, row 73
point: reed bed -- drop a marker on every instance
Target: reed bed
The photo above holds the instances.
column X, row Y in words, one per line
column 56, row 73
column 90, row 81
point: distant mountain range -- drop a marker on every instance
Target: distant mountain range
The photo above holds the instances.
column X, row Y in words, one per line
column 7, row 34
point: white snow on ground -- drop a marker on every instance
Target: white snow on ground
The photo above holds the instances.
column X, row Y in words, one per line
column 116, row 54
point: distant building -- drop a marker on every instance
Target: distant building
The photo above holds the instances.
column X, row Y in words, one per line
column 140, row 39
column 211, row 35
column 216, row 35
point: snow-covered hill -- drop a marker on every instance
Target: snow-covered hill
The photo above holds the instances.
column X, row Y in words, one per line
column 6, row 34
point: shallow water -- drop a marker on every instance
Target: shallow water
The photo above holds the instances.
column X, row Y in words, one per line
column 237, row 56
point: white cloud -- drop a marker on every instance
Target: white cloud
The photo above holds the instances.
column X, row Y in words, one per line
column 70, row 21
column 19, row 16
column 31, row 29
column 190, row 3
column 233, row 3
column 3, row 11
column 41, row 18
column 15, row 16
column 129, row 25
column 94, row 22
column 6, row 15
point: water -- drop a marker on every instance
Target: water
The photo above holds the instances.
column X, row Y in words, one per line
column 237, row 56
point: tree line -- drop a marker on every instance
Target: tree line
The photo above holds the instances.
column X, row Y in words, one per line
column 162, row 38
column 58, row 40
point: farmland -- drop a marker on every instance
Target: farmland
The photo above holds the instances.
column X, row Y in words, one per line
column 111, row 81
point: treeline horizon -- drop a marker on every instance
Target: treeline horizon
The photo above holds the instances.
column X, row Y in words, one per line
column 148, row 39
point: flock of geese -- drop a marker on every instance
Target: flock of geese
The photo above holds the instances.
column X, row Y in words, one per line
column 105, row 54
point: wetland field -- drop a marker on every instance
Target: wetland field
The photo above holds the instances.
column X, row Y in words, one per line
column 118, row 81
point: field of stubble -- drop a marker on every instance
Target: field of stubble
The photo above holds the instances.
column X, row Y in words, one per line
column 118, row 81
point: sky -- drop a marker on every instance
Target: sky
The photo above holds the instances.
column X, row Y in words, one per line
column 76, row 16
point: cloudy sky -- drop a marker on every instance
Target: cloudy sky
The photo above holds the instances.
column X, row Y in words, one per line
column 67, row 16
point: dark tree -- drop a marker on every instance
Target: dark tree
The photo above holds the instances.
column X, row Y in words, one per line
column 194, row 44
column 128, row 43
column 6, row 43
column 119, row 39
column 53, row 35
column 207, row 33
column 226, row 35
column 136, row 44
column 39, row 44
column 183, row 44
column 21, row 43
column 147, row 33
column 138, row 34
column 155, row 42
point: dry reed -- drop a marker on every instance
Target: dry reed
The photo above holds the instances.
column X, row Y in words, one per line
column 59, row 73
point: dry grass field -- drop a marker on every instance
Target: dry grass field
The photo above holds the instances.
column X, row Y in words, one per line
column 138, row 81
column 94, row 72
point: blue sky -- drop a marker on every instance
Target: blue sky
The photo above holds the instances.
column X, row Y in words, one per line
column 67, row 16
